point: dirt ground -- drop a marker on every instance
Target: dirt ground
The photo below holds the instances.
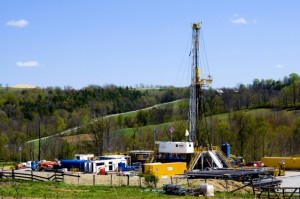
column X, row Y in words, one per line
column 118, row 180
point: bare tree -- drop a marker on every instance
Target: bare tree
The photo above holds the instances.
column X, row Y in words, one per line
column 109, row 124
column 96, row 131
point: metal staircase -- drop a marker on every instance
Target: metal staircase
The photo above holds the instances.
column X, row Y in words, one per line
column 194, row 159
column 215, row 150
column 223, row 157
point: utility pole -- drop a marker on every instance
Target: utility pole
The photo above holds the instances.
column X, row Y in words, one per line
column 20, row 150
column 39, row 139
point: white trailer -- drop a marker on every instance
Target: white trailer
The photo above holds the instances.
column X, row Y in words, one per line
column 175, row 147
column 83, row 156
column 108, row 164
column 110, row 157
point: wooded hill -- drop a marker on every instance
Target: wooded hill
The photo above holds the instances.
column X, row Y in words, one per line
column 234, row 115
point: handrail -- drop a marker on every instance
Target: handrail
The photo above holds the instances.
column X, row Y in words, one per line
column 194, row 159
column 223, row 156
column 217, row 149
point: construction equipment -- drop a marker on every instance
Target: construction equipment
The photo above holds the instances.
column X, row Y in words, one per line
column 46, row 165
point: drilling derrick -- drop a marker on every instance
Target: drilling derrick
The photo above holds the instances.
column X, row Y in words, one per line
column 196, row 108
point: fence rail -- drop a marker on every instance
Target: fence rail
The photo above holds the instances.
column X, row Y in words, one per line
column 57, row 177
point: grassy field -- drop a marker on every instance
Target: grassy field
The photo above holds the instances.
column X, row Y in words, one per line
column 28, row 189
column 6, row 164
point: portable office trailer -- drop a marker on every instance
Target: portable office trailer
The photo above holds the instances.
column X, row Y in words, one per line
column 118, row 157
column 109, row 165
column 175, row 147
column 109, row 157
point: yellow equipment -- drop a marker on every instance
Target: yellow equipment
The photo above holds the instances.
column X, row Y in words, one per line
column 281, row 168
column 292, row 162
column 165, row 169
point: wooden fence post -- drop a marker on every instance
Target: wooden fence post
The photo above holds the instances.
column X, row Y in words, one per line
column 140, row 181
column 128, row 180
column 111, row 180
column 13, row 174
column 31, row 175
column 94, row 179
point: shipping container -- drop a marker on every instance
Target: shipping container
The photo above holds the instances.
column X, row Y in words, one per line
column 165, row 169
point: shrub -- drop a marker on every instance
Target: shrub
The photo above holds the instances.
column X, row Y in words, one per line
column 150, row 180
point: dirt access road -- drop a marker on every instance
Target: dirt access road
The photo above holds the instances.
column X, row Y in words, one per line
column 291, row 179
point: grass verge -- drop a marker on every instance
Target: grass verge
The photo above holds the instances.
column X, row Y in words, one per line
column 28, row 189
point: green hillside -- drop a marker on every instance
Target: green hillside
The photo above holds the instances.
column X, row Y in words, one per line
column 258, row 119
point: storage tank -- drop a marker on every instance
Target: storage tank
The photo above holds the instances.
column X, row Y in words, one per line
column 81, row 165
column 226, row 149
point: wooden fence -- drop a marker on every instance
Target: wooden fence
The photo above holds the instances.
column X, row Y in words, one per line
column 57, row 177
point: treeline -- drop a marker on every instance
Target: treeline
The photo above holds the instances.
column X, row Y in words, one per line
column 261, row 93
column 27, row 112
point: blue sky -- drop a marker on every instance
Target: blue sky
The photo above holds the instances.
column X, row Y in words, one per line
column 128, row 42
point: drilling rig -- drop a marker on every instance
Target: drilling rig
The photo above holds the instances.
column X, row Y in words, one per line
column 196, row 156
column 196, row 99
column 195, row 103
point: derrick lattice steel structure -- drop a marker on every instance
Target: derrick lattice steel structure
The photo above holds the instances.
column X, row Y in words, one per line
column 196, row 110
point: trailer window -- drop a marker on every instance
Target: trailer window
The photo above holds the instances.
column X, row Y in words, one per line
column 100, row 164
